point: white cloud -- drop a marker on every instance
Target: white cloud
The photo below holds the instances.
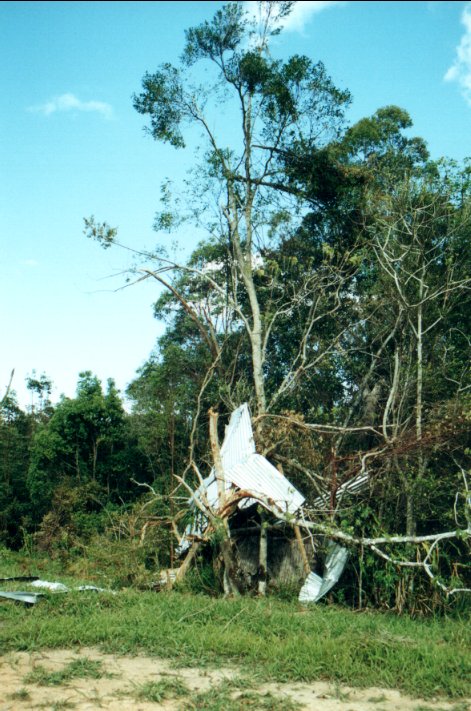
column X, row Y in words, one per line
column 301, row 13
column 30, row 263
column 69, row 102
column 460, row 70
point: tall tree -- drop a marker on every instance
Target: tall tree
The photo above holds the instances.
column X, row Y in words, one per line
column 333, row 257
column 15, row 439
column 279, row 110
column 85, row 440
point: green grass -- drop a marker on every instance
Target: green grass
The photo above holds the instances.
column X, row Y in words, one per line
column 19, row 695
column 18, row 563
column 224, row 698
column 76, row 669
column 279, row 640
column 156, row 691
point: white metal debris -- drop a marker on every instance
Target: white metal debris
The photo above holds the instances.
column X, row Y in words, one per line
column 29, row 598
column 352, row 486
column 60, row 587
column 316, row 587
column 238, row 439
column 250, row 472
column 167, row 577
column 246, row 470
column 46, row 585
column 261, row 478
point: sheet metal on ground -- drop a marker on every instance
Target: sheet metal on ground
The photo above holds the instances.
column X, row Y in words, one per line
column 28, row 598
column 31, row 598
column 316, row 587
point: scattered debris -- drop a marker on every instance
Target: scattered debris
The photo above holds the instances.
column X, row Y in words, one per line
column 244, row 470
column 46, row 585
column 242, row 479
column 316, row 587
column 166, row 579
column 28, row 598
column 31, row 598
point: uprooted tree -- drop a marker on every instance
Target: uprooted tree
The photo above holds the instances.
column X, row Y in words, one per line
column 331, row 292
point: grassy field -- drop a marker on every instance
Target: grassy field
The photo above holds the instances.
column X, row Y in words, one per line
column 277, row 640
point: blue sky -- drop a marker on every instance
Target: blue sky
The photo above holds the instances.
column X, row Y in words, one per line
column 72, row 146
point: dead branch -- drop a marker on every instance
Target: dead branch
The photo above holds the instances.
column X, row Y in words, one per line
column 209, row 338
column 321, row 428
column 216, row 452
column 8, row 388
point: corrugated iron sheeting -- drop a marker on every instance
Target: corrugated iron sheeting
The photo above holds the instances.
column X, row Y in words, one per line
column 208, row 491
column 238, row 440
column 261, row 478
column 316, row 587
column 356, row 484
column 247, row 470
column 238, row 445
column 353, row 486
column 29, row 598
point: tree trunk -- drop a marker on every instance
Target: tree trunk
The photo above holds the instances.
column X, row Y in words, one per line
column 255, row 333
column 418, row 413
column 262, row 556
column 230, row 565
column 216, row 452
column 411, row 524
column 302, row 550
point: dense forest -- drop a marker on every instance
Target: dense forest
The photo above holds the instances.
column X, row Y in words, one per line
column 331, row 293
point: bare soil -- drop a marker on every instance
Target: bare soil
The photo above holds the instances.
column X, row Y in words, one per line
column 117, row 690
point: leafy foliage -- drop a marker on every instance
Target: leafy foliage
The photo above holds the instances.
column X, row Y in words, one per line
column 331, row 292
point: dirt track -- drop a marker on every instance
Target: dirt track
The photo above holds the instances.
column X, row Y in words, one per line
column 116, row 691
